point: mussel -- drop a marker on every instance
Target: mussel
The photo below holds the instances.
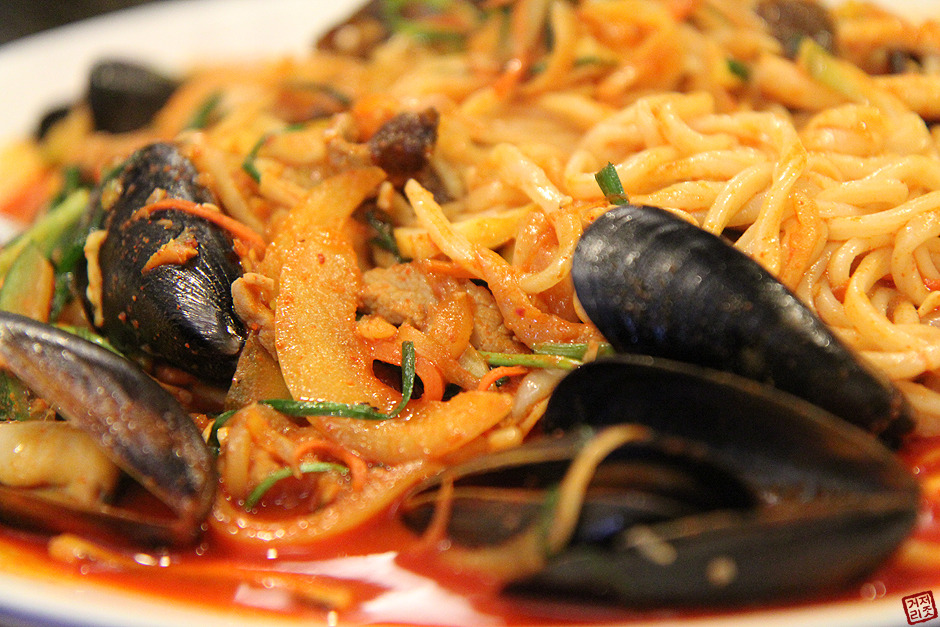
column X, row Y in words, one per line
column 180, row 309
column 712, row 461
column 654, row 284
column 658, row 483
column 136, row 423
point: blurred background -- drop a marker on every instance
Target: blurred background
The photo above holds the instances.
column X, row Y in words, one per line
column 19, row 18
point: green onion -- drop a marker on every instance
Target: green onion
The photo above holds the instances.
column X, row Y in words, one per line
column 262, row 488
column 844, row 77
column 48, row 231
column 384, row 234
column 739, row 69
column 609, row 182
column 431, row 21
column 362, row 411
column 218, row 423
column 248, row 165
column 203, row 114
column 332, row 92
column 573, row 351
column 530, row 360
column 71, row 182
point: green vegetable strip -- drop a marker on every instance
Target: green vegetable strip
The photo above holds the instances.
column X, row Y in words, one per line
column 204, row 113
column 384, row 235
column 609, row 182
column 48, row 231
column 739, row 69
column 845, row 78
column 574, row 351
column 359, row 410
column 218, row 423
column 72, row 182
column 530, row 360
column 248, row 165
column 262, row 488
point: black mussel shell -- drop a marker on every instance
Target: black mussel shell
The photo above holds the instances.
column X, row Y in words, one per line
column 139, row 425
column 125, row 96
column 657, row 285
column 735, row 493
column 181, row 313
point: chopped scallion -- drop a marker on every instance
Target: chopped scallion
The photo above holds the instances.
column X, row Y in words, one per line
column 609, row 182
column 48, row 231
column 739, row 69
column 248, row 165
column 573, row 351
column 262, row 488
column 384, row 234
column 204, row 113
column 218, row 423
column 354, row 410
column 530, row 360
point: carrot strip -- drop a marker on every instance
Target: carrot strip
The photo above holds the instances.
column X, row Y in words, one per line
column 358, row 469
column 498, row 373
column 444, row 268
column 237, row 229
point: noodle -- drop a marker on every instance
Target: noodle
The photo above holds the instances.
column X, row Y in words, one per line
column 822, row 167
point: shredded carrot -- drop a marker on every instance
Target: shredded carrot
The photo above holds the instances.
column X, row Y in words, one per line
column 498, row 373
column 237, row 229
column 444, row 268
column 932, row 284
column 430, row 375
column 371, row 112
column 358, row 469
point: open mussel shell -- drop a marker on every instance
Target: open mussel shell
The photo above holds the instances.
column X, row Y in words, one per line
column 178, row 312
column 137, row 423
column 659, row 483
column 657, row 285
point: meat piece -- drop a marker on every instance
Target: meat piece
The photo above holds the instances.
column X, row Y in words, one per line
column 403, row 293
column 399, row 294
column 403, row 145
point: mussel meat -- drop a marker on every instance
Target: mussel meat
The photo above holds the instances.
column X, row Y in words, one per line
column 659, row 483
column 180, row 309
column 655, row 284
column 135, row 422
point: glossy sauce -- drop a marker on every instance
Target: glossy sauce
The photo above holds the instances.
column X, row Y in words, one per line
column 384, row 570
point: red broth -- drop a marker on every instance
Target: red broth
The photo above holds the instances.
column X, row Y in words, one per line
column 381, row 572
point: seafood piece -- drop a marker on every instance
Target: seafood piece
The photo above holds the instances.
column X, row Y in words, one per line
column 657, row 285
column 134, row 421
column 125, row 96
column 662, row 484
column 160, row 282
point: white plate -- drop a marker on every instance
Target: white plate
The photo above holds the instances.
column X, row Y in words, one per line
column 48, row 69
